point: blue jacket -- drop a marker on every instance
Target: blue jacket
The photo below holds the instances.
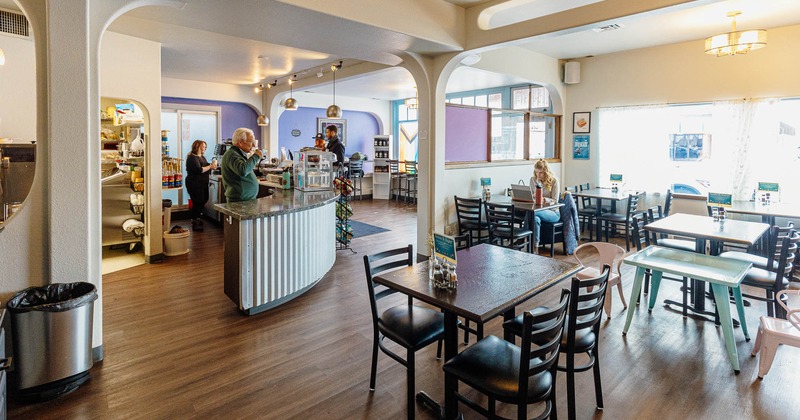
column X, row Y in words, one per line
column 569, row 217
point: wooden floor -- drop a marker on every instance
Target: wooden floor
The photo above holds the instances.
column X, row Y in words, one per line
column 176, row 347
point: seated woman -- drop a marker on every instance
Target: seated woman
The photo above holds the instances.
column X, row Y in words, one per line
column 549, row 183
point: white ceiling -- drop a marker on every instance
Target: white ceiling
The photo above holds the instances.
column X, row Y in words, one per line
column 233, row 42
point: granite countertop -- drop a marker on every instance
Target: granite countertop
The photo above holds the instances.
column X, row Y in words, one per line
column 280, row 202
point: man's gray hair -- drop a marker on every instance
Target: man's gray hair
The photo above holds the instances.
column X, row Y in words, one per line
column 240, row 135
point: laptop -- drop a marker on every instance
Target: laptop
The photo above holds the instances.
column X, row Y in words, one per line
column 521, row 193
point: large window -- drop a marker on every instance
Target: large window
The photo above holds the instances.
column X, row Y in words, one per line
column 724, row 146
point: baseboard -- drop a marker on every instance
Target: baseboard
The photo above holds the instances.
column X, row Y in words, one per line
column 154, row 259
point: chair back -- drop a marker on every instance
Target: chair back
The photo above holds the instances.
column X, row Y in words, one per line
column 394, row 167
column 382, row 262
column 411, row 167
column 633, row 204
column 468, row 210
column 573, row 189
column 548, row 325
column 668, row 203
column 356, row 168
column 640, row 237
column 776, row 235
column 689, row 204
column 792, row 315
column 502, row 217
column 786, row 259
column 586, row 202
column 587, row 298
column 607, row 251
column 463, row 241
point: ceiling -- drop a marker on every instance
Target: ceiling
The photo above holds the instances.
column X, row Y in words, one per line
column 233, row 42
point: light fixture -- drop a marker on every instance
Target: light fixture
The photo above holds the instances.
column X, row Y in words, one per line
column 2, row 58
column 736, row 42
column 262, row 120
column 334, row 111
column 412, row 103
column 290, row 103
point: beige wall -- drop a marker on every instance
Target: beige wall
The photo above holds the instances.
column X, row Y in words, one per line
column 673, row 74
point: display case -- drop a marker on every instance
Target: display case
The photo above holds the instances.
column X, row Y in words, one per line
column 381, row 177
column 313, row 170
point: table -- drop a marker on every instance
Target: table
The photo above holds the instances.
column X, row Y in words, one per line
column 529, row 208
column 492, row 281
column 703, row 228
column 724, row 275
column 768, row 212
column 604, row 194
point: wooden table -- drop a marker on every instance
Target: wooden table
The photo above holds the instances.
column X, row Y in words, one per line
column 492, row 281
column 703, row 228
column 601, row 194
column 767, row 212
column 725, row 275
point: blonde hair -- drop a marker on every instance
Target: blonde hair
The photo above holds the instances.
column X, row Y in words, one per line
column 549, row 178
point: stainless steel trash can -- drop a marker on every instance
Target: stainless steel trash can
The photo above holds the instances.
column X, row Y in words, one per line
column 52, row 338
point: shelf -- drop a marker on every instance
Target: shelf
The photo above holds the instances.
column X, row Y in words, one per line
column 171, row 188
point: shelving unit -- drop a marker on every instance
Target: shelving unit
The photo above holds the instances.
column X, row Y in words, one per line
column 381, row 177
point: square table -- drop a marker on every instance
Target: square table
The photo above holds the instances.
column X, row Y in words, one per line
column 767, row 212
column 703, row 228
column 601, row 194
column 725, row 276
column 492, row 281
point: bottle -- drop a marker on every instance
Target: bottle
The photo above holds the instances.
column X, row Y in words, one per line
column 170, row 176
column 178, row 175
column 164, row 180
column 538, row 198
column 753, row 197
column 164, row 144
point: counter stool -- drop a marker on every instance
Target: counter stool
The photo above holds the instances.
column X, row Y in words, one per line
column 356, row 173
column 395, row 175
column 411, row 176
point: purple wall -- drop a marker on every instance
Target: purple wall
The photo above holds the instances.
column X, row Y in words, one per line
column 361, row 126
column 466, row 131
column 233, row 114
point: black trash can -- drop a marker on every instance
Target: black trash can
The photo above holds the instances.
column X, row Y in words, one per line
column 51, row 327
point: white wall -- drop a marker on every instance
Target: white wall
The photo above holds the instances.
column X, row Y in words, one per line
column 674, row 74
column 130, row 68
column 180, row 88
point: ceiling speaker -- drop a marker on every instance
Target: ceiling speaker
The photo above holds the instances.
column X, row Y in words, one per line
column 572, row 72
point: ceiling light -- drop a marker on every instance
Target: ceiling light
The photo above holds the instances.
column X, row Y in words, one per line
column 2, row 58
column 412, row 103
column 334, row 111
column 736, row 42
column 290, row 103
column 262, row 120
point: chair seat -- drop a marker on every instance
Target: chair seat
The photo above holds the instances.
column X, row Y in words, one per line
column 781, row 327
column 587, row 212
column 492, row 367
column 613, row 217
column 584, row 338
column 764, row 279
column 757, row 261
column 411, row 326
column 502, row 232
column 468, row 224
column 591, row 272
column 677, row 244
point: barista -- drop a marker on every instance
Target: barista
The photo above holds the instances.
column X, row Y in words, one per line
column 334, row 144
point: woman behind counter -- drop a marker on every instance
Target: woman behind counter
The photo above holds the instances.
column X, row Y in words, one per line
column 543, row 176
column 198, row 171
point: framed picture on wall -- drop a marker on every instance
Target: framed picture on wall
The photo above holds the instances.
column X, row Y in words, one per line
column 580, row 146
column 581, row 122
column 340, row 123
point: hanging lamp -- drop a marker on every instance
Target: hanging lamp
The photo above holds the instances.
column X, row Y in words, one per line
column 263, row 120
column 290, row 103
column 736, row 42
column 334, row 111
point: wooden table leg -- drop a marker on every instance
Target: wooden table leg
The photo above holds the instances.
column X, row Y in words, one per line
column 637, row 288
column 724, row 309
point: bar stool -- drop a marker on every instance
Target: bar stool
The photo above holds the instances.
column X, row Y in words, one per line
column 395, row 175
column 411, row 176
column 356, row 173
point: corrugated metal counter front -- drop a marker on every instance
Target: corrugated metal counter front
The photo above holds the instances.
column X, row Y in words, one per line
column 277, row 247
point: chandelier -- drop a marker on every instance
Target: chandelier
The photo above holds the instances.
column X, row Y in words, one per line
column 736, row 42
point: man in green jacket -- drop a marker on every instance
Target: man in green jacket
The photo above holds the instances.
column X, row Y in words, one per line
column 240, row 182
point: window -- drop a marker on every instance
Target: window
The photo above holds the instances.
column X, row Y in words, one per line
column 530, row 98
column 508, row 135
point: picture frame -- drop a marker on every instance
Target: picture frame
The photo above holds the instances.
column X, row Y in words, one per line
column 580, row 146
column 581, row 122
column 340, row 123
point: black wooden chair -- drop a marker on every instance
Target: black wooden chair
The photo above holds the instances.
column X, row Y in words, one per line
column 412, row 327
column 776, row 234
column 664, row 211
column 586, row 212
column 581, row 334
column 775, row 277
column 395, row 176
column 515, row 375
column 550, row 234
column 506, row 228
column 471, row 220
column 463, row 242
column 622, row 221
column 410, row 170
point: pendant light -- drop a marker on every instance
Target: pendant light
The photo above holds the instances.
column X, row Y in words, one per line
column 736, row 42
column 290, row 103
column 263, row 120
column 334, row 111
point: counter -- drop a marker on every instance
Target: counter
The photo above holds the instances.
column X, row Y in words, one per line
column 277, row 247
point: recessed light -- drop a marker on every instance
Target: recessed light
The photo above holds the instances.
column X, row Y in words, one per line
column 263, row 57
